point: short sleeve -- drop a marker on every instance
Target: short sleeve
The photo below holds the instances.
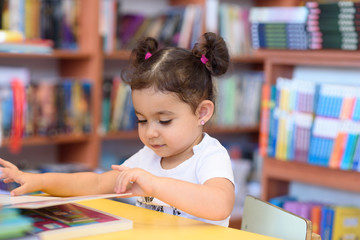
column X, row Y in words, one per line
column 215, row 163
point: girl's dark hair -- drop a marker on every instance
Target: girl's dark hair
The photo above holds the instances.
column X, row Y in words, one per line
column 179, row 70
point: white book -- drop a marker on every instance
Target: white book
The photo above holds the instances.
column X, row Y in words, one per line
column 34, row 202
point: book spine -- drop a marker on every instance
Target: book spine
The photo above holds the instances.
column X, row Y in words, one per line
column 265, row 119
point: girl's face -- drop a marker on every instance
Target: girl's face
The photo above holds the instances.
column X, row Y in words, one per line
column 167, row 125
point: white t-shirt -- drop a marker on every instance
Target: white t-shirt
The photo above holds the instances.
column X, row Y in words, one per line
column 210, row 160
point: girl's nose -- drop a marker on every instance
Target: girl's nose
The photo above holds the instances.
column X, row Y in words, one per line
column 151, row 131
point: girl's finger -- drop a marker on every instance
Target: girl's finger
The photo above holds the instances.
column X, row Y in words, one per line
column 119, row 167
column 7, row 164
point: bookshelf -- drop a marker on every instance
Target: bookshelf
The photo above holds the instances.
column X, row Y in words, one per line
column 86, row 62
column 278, row 174
column 89, row 62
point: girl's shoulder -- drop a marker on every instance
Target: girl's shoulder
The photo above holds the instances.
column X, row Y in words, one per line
column 210, row 146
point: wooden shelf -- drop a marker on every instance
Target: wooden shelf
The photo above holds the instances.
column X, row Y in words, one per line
column 255, row 57
column 47, row 140
column 121, row 135
column 118, row 55
column 312, row 174
column 57, row 54
column 231, row 130
column 312, row 57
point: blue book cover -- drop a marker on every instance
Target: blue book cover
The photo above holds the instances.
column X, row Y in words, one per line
column 356, row 157
column 87, row 92
column 313, row 150
column 68, row 85
column 279, row 201
column 272, row 123
column 327, row 219
column 346, row 160
column 329, row 143
column 356, row 110
column 7, row 106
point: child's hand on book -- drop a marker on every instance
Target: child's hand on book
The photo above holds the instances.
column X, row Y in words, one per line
column 134, row 180
column 10, row 173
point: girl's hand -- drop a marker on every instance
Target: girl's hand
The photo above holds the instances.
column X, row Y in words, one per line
column 10, row 173
column 134, row 180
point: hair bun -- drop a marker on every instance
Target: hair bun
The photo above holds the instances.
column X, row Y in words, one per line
column 214, row 48
column 145, row 47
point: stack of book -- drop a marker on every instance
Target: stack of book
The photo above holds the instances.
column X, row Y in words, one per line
column 334, row 25
column 278, row 27
column 311, row 122
column 329, row 221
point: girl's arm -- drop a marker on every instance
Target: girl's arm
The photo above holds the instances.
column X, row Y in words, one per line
column 213, row 200
column 58, row 184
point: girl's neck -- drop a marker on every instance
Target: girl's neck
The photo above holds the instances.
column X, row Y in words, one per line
column 175, row 160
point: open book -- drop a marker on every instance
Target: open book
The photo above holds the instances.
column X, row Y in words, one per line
column 33, row 202
column 60, row 218
column 73, row 220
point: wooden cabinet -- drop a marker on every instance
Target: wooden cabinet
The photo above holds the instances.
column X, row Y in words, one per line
column 277, row 174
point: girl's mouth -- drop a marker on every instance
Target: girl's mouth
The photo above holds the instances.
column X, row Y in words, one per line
column 157, row 146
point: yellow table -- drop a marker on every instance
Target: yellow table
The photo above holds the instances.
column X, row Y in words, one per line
column 150, row 224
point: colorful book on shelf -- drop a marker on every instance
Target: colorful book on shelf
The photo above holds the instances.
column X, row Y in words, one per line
column 278, row 14
column 346, row 223
column 338, row 150
column 334, row 7
column 315, row 218
column 302, row 132
column 356, row 158
column 346, row 160
column 187, row 26
column 34, row 202
column 280, row 200
column 73, row 221
column 272, row 123
column 130, row 23
column 327, row 219
column 265, row 119
column 323, row 135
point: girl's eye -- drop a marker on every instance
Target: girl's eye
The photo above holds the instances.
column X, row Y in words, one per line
column 141, row 121
column 165, row 122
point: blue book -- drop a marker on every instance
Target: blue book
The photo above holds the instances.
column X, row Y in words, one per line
column 291, row 142
column 356, row 110
column 329, row 143
column 327, row 219
column 87, row 90
column 272, row 123
column 7, row 106
column 345, row 163
column 356, row 157
column 279, row 201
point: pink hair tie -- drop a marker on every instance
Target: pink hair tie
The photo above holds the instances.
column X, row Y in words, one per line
column 147, row 55
column 203, row 59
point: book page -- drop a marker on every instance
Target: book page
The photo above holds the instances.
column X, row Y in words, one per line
column 33, row 202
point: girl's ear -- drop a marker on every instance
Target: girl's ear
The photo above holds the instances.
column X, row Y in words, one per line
column 204, row 111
